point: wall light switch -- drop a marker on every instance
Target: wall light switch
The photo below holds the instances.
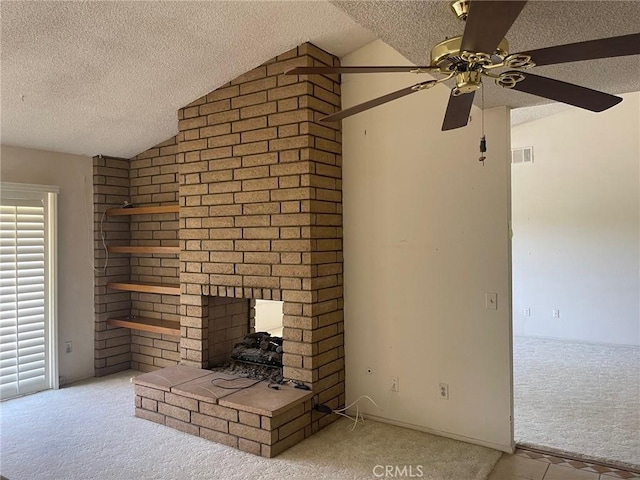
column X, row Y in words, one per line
column 556, row 314
column 395, row 384
column 491, row 301
column 526, row 312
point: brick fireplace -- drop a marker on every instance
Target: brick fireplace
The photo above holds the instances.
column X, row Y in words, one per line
column 260, row 217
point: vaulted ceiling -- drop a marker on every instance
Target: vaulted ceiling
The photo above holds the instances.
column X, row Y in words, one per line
column 108, row 76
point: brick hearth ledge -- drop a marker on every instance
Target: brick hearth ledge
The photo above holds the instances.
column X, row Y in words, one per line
column 256, row 419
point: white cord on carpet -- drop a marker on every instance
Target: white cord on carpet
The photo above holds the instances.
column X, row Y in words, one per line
column 358, row 418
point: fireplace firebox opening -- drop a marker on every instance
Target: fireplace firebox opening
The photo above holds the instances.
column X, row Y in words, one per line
column 268, row 317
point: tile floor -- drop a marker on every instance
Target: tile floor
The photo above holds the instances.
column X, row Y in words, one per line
column 528, row 465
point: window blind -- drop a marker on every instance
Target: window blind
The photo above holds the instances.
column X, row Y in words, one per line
column 23, row 326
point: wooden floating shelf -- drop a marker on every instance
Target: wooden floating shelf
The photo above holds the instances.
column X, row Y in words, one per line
column 168, row 327
column 141, row 249
column 114, row 212
column 145, row 288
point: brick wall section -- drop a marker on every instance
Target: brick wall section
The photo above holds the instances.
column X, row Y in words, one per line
column 148, row 179
column 111, row 189
column 261, row 213
column 153, row 178
column 153, row 181
column 194, row 329
column 249, row 432
column 230, row 319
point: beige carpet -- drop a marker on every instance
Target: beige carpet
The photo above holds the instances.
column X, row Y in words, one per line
column 578, row 399
column 88, row 431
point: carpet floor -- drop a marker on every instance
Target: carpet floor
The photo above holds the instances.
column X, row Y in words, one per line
column 578, row 399
column 88, row 431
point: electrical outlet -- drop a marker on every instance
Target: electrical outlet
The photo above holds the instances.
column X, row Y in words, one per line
column 491, row 301
column 526, row 312
column 68, row 347
column 395, row 384
column 444, row 391
column 556, row 314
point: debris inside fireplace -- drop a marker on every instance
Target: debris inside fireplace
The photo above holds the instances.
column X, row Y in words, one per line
column 258, row 356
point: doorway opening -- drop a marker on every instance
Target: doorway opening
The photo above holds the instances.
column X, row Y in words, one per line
column 28, row 360
column 575, row 264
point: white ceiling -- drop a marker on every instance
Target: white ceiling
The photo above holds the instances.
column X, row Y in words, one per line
column 108, row 77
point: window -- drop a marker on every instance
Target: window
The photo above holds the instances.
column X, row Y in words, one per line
column 27, row 289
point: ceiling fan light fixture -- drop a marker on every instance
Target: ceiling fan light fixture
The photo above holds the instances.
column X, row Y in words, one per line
column 467, row 82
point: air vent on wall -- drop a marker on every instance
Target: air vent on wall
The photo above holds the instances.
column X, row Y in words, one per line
column 522, row 155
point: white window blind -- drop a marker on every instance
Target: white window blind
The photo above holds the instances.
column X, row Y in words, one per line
column 25, row 303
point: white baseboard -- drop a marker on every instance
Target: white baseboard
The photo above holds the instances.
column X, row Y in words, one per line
column 496, row 446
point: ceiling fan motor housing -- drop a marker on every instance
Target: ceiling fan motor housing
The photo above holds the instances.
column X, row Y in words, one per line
column 446, row 55
column 468, row 66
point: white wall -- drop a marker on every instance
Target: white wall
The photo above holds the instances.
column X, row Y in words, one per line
column 425, row 237
column 74, row 175
column 576, row 223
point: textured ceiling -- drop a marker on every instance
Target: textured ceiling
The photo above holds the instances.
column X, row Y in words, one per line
column 108, row 77
column 413, row 27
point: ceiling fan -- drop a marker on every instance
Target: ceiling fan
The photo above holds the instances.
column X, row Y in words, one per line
column 482, row 51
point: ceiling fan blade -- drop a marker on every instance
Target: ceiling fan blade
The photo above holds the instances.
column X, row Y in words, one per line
column 488, row 22
column 458, row 111
column 359, row 69
column 565, row 92
column 347, row 112
column 589, row 50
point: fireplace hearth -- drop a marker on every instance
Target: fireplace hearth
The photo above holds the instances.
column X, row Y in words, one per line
column 240, row 412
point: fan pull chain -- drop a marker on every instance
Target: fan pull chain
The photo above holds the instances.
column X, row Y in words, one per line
column 483, row 140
